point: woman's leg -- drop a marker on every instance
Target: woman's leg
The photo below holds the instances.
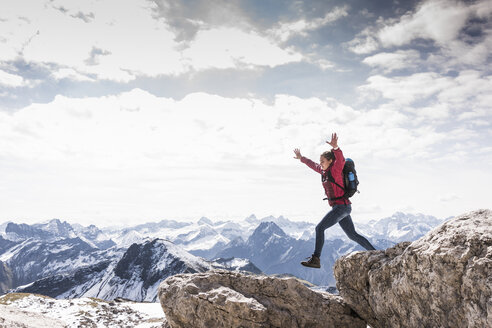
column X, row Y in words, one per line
column 337, row 213
column 348, row 226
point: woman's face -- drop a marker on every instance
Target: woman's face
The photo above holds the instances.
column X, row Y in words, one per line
column 325, row 163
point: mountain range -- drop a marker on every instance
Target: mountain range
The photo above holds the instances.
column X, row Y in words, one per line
column 61, row 260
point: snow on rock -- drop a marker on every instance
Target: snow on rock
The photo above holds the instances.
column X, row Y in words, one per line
column 400, row 227
column 30, row 310
column 13, row 317
column 134, row 275
column 443, row 279
column 231, row 299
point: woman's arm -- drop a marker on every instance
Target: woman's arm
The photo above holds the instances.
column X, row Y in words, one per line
column 339, row 158
column 315, row 166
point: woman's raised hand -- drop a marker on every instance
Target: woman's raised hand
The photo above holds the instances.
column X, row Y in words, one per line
column 334, row 140
column 298, row 153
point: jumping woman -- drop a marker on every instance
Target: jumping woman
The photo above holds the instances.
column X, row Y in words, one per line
column 331, row 163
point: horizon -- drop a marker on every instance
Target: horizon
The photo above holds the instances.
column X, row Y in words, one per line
column 117, row 112
column 213, row 220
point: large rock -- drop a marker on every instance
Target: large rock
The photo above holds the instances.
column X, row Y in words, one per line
column 443, row 279
column 230, row 299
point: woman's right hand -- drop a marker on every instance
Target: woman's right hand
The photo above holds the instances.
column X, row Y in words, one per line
column 298, row 153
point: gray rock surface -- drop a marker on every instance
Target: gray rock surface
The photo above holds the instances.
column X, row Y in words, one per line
column 6, row 278
column 444, row 279
column 230, row 299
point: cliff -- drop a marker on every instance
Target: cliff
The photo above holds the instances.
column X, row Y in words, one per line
column 443, row 279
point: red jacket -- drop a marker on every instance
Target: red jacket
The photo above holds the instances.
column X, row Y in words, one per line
column 336, row 168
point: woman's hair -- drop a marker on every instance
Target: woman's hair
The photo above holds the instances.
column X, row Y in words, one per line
column 328, row 155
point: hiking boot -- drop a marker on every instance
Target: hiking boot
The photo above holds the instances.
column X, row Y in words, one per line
column 313, row 262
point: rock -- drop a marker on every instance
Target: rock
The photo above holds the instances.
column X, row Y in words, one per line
column 231, row 299
column 444, row 279
column 16, row 318
column 6, row 278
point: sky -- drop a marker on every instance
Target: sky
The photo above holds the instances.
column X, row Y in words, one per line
column 123, row 112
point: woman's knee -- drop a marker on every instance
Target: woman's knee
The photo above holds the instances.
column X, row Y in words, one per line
column 353, row 236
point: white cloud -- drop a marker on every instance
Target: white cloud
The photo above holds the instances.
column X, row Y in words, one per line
column 71, row 74
column 388, row 62
column 286, row 30
column 406, row 89
column 119, row 41
column 137, row 129
column 135, row 155
column 11, row 80
column 441, row 21
column 465, row 97
column 364, row 43
column 230, row 47
column 438, row 20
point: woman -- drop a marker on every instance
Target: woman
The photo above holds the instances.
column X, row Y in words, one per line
column 331, row 163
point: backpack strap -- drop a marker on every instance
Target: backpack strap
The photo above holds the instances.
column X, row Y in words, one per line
column 330, row 178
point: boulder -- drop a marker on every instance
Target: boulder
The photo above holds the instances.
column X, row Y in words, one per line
column 231, row 299
column 444, row 279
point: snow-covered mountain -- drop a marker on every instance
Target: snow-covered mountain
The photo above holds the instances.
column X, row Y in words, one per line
column 54, row 230
column 78, row 261
column 275, row 252
column 33, row 259
column 196, row 237
column 401, row 227
column 135, row 275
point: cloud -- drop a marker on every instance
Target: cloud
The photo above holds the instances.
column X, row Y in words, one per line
column 11, row 80
column 70, row 74
column 116, row 41
column 286, row 30
column 405, row 90
column 163, row 153
column 187, row 18
column 229, row 48
column 438, row 20
column 434, row 97
column 136, row 128
column 388, row 62
column 365, row 42
column 444, row 22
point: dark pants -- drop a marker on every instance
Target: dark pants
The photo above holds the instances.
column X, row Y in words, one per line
column 339, row 214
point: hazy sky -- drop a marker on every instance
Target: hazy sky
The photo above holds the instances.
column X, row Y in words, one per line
column 120, row 112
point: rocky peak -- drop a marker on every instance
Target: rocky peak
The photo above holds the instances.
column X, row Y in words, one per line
column 204, row 221
column 57, row 228
column 24, row 231
column 441, row 280
column 266, row 230
column 251, row 219
column 150, row 261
